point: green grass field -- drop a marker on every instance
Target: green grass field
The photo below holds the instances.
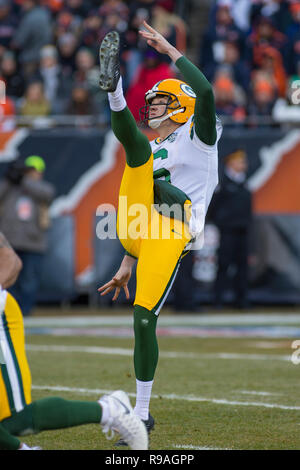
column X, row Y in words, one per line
column 209, row 392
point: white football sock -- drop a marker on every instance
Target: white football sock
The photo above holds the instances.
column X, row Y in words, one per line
column 143, row 395
column 116, row 98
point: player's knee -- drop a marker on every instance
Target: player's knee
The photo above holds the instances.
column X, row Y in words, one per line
column 20, row 423
column 144, row 320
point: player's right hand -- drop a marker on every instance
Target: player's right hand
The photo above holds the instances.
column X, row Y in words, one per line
column 118, row 282
column 155, row 39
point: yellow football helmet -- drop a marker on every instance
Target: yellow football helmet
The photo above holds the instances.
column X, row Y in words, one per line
column 179, row 107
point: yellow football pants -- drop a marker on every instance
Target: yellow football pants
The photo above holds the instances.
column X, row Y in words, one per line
column 158, row 245
column 15, row 377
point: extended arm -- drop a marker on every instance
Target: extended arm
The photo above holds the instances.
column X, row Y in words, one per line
column 205, row 114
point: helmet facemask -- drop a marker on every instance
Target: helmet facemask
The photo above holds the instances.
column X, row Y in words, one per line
column 172, row 106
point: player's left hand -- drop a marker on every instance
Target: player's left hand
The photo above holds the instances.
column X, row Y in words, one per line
column 155, row 39
column 118, row 282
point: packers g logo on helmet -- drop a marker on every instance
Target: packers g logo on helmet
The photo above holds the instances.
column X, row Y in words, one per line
column 179, row 107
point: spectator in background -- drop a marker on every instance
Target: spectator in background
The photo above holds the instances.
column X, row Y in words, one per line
column 165, row 23
column 135, row 47
column 80, row 103
column 35, row 102
column 91, row 32
column 152, row 71
column 229, row 98
column 115, row 14
column 8, row 25
column 14, row 80
column 85, row 66
column 115, row 17
column 292, row 28
column 263, row 97
column 87, row 74
column 221, row 30
column 240, row 11
column 57, row 88
column 160, row 14
column 293, row 33
column 24, row 202
column 55, row 6
column 276, row 10
column 34, row 32
column 231, row 211
column 79, row 8
column 67, row 45
column 269, row 62
column 66, row 22
column 231, row 61
column 265, row 34
column 168, row 5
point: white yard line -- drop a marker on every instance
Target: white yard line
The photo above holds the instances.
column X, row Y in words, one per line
column 163, row 354
column 254, row 392
column 270, row 344
column 168, row 320
column 217, row 401
column 102, row 350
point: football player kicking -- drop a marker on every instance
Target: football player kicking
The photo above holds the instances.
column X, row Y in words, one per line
column 18, row 414
column 180, row 167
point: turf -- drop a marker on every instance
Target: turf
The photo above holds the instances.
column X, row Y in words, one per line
column 217, row 420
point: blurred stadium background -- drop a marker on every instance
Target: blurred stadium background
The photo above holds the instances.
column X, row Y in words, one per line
column 248, row 49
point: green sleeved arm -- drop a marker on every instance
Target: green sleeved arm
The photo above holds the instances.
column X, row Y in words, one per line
column 205, row 113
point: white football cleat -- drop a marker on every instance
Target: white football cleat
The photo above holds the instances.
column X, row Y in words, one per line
column 123, row 420
column 26, row 447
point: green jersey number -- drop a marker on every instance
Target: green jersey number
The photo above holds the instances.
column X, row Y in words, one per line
column 162, row 172
column 162, row 153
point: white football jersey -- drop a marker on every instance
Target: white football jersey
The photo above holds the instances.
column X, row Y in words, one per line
column 190, row 165
column 3, row 295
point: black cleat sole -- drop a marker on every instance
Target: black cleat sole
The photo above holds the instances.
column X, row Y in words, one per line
column 109, row 62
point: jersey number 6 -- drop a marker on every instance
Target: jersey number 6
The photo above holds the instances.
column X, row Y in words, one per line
column 162, row 172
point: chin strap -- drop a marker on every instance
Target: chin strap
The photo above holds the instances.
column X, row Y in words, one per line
column 155, row 123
